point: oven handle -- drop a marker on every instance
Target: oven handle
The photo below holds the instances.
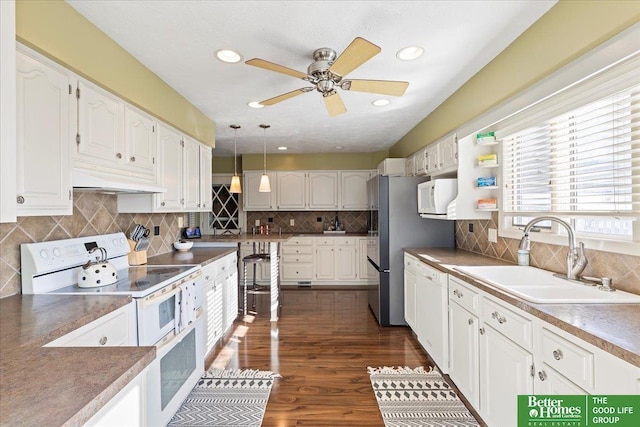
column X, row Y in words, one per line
column 166, row 292
column 171, row 337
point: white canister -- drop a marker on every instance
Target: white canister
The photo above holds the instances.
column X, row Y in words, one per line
column 523, row 257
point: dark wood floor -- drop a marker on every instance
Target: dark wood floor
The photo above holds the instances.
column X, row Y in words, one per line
column 322, row 346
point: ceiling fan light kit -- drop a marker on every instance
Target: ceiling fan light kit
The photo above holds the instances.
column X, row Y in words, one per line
column 265, row 185
column 410, row 53
column 255, row 104
column 327, row 72
column 229, row 56
column 235, row 187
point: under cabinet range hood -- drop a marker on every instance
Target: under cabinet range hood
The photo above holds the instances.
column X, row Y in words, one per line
column 84, row 180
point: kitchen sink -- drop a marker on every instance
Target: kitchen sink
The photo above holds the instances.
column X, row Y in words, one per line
column 542, row 286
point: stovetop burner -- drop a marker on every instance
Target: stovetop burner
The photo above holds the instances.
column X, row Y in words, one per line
column 137, row 281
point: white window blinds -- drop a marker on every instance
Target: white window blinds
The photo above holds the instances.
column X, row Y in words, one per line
column 582, row 162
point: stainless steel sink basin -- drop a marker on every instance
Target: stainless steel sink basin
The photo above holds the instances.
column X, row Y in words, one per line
column 541, row 286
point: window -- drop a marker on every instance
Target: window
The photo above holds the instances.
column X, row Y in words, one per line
column 582, row 164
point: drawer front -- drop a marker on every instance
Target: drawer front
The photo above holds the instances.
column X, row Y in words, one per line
column 287, row 259
column 508, row 322
column 297, row 272
column 209, row 271
column 432, row 274
column 110, row 331
column 464, row 295
column 349, row 241
column 297, row 250
column 410, row 262
column 297, row 241
column 325, row 242
column 569, row 359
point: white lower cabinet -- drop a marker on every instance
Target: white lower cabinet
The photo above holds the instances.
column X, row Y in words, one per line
column 410, row 268
column 346, row 259
column 432, row 323
column 324, row 261
column 296, row 262
column 464, row 352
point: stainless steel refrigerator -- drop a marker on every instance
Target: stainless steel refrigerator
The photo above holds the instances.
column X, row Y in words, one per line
column 394, row 224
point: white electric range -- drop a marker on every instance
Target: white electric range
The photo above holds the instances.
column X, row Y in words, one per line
column 159, row 293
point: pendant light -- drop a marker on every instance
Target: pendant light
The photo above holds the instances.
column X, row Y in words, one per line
column 235, row 181
column 265, row 186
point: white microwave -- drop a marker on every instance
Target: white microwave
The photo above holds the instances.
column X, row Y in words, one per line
column 434, row 196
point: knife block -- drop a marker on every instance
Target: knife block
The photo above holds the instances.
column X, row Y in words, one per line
column 136, row 257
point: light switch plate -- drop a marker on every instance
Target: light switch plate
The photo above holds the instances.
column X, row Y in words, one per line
column 292, row 222
column 493, row 235
column 257, row 224
column 180, row 222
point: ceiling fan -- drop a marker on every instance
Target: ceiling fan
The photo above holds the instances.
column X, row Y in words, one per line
column 327, row 73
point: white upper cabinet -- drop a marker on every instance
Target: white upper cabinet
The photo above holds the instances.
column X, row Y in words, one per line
column 170, row 169
column 291, row 190
column 353, row 186
column 323, row 190
column 448, row 154
column 420, row 162
column 45, row 116
column 252, row 198
column 140, row 140
column 191, row 174
column 100, row 139
column 8, row 111
column 205, row 178
column 432, row 158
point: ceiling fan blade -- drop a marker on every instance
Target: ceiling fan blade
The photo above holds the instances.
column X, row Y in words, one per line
column 356, row 54
column 261, row 63
column 334, row 104
column 385, row 87
column 284, row 96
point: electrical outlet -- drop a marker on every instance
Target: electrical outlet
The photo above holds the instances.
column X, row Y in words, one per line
column 292, row 222
column 180, row 221
column 319, row 219
column 156, row 230
column 470, row 227
column 493, row 235
column 257, row 223
column 270, row 219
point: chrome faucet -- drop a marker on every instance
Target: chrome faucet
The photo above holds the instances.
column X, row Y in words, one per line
column 576, row 260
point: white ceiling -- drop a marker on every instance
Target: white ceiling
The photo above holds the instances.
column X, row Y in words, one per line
column 177, row 40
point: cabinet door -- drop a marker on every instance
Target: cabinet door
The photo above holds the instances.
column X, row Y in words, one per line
column 366, row 269
column 464, row 352
column 324, row 263
column 323, row 190
column 253, row 200
column 432, row 158
column 44, row 134
column 548, row 381
column 410, row 166
column 505, row 372
column 353, row 193
column 169, row 169
column 410, row 298
column 346, row 263
column 432, row 300
column 8, row 111
column 140, row 139
column 205, row 178
column 191, row 174
column 448, row 153
column 100, row 128
column 421, row 162
column 213, row 297
column 291, row 190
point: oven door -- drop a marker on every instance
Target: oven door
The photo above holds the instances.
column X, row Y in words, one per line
column 172, row 375
column 157, row 311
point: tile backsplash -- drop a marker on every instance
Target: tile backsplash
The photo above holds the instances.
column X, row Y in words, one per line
column 93, row 213
column 307, row 222
column 623, row 269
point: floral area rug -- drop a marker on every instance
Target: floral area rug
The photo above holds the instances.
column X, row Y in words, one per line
column 417, row 397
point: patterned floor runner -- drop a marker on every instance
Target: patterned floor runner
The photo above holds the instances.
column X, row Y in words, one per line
column 226, row 397
column 417, row 397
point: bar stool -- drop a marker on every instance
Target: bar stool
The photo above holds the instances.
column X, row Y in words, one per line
column 257, row 257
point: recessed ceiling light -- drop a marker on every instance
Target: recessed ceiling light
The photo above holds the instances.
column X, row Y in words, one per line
column 282, row 148
column 226, row 55
column 409, row 53
column 381, row 102
column 255, row 104
column 339, row 147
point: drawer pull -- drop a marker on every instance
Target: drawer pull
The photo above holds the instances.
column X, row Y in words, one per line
column 557, row 354
column 481, row 331
column 457, row 293
column 103, row 340
column 500, row 319
column 470, row 321
column 542, row 375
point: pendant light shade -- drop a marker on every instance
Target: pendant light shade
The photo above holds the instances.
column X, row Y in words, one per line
column 236, row 187
column 265, row 185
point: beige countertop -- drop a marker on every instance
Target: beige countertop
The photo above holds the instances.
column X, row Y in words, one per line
column 55, row 386
column 196, row 255
column 615, row 328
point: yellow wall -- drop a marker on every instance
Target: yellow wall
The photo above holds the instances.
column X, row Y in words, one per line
column 565, row 32
column 324, row 161
column 56, row 30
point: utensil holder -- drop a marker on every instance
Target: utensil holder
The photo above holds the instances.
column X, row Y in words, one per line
column 136, row 257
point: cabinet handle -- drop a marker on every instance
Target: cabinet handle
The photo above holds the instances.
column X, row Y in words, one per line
column 133, row 159
column 206, row 277
column 470, row 321
column 20, row 200
column 118, row 155
column 457, row 293
column 481, row 331
column 500, row 319
column 198, row 204
column 103, row 340
column 542, row 375
column 557, row 354
column 162, row 204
